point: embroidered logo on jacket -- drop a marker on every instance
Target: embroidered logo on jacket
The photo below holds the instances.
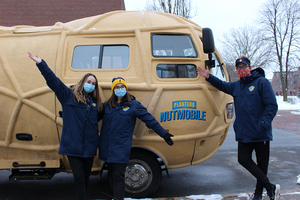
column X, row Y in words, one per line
column 251, row 88
column 94, row 104
column 126, row 108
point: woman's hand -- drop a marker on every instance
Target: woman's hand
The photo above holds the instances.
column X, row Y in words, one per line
column 36, row 58
column 203, row 72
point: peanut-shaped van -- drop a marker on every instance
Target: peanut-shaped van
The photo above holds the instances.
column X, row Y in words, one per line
column 156, row 53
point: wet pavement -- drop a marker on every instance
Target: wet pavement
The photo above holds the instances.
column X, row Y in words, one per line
column 286, row 127
column 220, row 174
column 288, row 121
column 284, row 195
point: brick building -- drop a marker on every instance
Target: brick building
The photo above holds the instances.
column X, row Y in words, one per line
column 294, row 83
column 48, row 12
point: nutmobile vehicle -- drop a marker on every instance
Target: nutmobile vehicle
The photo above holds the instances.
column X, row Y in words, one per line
column 156, row 53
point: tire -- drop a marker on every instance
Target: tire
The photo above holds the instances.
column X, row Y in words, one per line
column 143, row 175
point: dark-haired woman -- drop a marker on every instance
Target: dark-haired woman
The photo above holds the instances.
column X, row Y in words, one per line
column 119, row 116
column 80, row 137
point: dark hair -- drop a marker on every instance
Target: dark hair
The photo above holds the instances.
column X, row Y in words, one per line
column 113, row 99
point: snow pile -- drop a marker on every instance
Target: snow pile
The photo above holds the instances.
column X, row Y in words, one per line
column 293, row 103
column 206, row 197
column 244, row 195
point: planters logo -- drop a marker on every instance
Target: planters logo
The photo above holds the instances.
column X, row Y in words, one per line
column 186, row 113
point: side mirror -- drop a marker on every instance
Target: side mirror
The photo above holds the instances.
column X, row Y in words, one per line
column 208, row 40
column 208, row 46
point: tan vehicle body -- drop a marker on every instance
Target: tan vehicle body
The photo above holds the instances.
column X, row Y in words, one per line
column 29, row 107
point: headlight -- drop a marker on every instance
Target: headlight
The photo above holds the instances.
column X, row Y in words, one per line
column 230, row 110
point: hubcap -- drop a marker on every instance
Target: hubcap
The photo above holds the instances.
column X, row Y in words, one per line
column 138, row 176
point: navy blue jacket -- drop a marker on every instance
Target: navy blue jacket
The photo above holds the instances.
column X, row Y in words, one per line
column 255, row 106
column 80, row 135
column 117, row 130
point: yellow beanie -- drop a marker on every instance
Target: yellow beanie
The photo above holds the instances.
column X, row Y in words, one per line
column 116, row 81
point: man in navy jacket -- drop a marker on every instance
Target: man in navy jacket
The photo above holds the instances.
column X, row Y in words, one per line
column 255, row 106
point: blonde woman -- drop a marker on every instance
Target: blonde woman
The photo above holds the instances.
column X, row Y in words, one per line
column 80, row 138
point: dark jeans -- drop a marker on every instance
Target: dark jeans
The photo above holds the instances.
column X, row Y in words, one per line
column 260, row 169
column 81, row 168
column 116, row 173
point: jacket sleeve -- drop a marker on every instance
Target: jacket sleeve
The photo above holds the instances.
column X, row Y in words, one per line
column 269, row 100
column 143, row 114
column 221, row 85
column 54, row 83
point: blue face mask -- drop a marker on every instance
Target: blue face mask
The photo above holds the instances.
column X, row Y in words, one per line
column 120, row 92
column 88, row 88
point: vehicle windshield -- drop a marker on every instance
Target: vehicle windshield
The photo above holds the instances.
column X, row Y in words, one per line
column 218, row 70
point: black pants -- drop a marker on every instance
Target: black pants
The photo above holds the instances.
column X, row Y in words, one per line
column 116, row 173
column 81, row 168
column 260, row 169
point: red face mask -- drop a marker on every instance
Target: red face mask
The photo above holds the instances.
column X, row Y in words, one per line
column 243, row 72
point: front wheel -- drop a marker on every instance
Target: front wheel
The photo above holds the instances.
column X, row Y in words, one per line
column 142, row 175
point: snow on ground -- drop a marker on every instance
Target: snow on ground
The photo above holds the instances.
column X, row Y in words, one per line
column 293, row 103
column 206, row 197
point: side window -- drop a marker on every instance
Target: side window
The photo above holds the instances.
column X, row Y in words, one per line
column 176, row 71
column 218, row 70
column 100, row 57
column 173, row 46
column 115, row 57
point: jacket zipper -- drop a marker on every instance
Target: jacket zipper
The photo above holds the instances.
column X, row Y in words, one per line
column 85, row 124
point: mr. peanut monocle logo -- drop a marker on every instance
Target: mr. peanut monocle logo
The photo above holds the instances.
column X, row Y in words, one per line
column 184, row 109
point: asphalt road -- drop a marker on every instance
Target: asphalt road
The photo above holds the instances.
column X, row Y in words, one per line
column 220, row 174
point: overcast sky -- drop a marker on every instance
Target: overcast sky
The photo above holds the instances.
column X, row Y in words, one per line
column 219, row 15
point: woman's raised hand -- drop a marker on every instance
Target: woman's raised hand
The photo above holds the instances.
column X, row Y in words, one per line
column 36, row 58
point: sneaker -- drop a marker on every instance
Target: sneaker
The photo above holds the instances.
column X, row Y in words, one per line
column 274, row 193
column 257, row 196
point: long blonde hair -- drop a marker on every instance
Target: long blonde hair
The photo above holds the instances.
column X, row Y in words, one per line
column 80, row 94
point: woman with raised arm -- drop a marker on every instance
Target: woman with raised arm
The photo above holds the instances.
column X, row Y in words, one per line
column 80, row 137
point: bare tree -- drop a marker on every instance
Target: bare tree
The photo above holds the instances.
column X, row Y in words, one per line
column 245, row 41
column 182, row 8
column 281, row 25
